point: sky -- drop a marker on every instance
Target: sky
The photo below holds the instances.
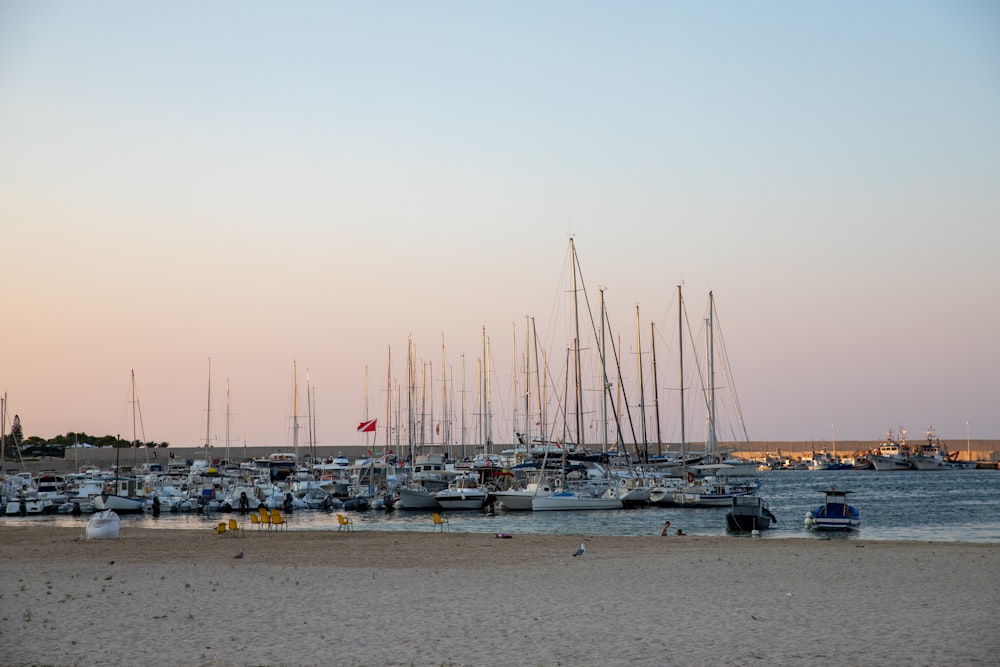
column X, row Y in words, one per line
column 243, row 193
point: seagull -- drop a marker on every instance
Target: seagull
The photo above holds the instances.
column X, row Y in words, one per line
column 239, row 555
column 582, row 550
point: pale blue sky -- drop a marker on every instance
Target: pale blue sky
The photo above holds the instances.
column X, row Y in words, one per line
column 261, row 182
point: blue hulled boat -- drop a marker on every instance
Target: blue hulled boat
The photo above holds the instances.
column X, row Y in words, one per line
column 834, row 513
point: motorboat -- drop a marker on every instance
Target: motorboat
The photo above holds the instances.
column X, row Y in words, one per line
column 712, row 493
column 573, row 500
column 834, row 513
column 749, row 513
column 520, row 500
column 891, row 454
column 465, row 494
column 415, row 497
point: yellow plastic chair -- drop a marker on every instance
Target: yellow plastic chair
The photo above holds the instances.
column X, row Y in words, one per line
column 277, row 520
column 344, row 523
column 234, row 528
column 255, row 520
column 440, row 522
column 265, row 517
column 221, row 529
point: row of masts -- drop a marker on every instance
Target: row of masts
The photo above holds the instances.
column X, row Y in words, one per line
column 422, row 431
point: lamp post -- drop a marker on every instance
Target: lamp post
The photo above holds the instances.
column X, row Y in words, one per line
column 968, row 452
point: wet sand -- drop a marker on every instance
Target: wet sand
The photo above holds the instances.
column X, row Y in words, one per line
column 179, row 597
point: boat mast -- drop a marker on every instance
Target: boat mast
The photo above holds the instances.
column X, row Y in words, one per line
column 680, row 345
column 462, row 434
column 208, row 416
column 642, row 392
column 227, row 415
column 388, row 400
column 576, row 350
column 656, row 390
column 605, row 386
column 710, row 442
column 445, row 436
column 410, row 389
column 527, row 380
column 540, row 370
column 295, row 409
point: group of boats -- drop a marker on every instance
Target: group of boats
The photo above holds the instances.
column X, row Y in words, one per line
column 431, row 482
column 893, row 453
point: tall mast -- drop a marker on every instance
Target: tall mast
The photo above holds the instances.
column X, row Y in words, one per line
column 576, row 351
column 227, row 415
column 680, row 345
column 604, row 385
column 539, row 374
column 710, row 444
column 527, row 380
column 388, row 400
column 656, row 390
column 208, row 416
column 309, row 416
column 444, row 401
column 295, row 408
column 642, row 392
column 410, row 390
column 462, row 433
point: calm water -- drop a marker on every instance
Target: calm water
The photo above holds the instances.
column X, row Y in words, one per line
column 941, row 506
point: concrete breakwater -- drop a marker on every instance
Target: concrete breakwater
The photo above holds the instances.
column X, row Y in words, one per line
column 987, row 451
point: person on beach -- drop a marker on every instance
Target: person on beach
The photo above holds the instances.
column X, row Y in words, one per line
column 666, row 529
column 680, row 533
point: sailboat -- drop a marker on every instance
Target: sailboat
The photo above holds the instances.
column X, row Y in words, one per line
column 566, row 498
column 120, row 493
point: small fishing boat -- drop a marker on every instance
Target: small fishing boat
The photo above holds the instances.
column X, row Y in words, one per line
column 834, row 513
column 749, row 513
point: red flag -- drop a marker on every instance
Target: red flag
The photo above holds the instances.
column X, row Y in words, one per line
column 367, row 427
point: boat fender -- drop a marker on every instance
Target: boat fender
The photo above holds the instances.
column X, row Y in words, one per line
column 690, row 478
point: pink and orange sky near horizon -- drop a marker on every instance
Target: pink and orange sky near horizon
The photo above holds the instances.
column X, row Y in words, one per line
column 316, row 183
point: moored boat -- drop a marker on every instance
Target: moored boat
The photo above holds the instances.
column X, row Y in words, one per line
column 749, row 513
column 571, row 500
column 465, row 494
column 834, row 513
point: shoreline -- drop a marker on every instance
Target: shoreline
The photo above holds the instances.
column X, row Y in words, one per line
column 422, row 598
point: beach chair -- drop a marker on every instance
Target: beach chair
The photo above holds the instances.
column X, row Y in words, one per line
column 278, row 521
column 344, row 523
column 220, row 529
column 265, row 518
column 255, row 520
column 440, row 522
column 234, row 528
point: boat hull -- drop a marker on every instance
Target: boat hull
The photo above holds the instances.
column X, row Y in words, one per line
column 416, row 499
column 453, row 500
column 886, row 463
column 570, row 501
column 119, row 504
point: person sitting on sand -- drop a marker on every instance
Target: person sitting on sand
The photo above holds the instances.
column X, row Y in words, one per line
column 680, row 533
column 666, row 530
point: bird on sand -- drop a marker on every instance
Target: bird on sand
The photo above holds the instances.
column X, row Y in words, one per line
column 239, row 555
column 579, row 552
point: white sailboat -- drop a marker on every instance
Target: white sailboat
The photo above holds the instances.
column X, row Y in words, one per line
column 567, row 499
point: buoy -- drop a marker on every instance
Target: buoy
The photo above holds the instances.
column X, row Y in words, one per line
column 755, row 533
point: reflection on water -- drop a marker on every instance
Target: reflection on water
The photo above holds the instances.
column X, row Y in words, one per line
column 938, row 506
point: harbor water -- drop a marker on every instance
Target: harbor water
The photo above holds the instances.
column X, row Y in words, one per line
column 935, row 506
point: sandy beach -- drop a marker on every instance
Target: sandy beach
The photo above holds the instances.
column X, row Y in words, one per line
column 179, row 597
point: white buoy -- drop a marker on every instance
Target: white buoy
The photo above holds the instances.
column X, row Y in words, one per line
column 755, row 533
